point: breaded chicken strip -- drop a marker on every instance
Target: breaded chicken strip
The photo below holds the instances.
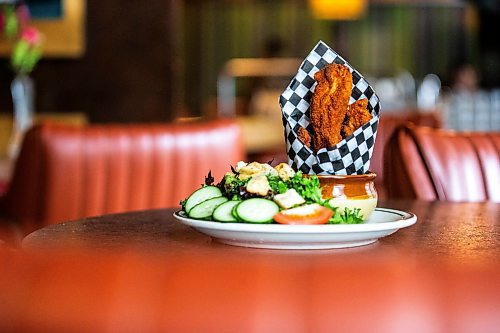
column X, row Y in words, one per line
column 304, row 136
column 329, row 104
column 357, row 116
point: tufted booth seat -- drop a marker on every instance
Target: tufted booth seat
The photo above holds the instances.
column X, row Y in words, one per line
column 68, row 172
column 432, row 164
column 387, row 124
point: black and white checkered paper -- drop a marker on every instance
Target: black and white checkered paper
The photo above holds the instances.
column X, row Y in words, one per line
column 350, row 156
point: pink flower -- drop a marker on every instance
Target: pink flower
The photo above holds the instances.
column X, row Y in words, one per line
column 23, row 15
column 2, row 21
column 31, row 36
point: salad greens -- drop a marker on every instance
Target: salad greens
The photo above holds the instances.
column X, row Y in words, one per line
column 233, row 186
column 308, row 188
column 347, row 217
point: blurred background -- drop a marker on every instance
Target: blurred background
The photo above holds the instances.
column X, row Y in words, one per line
column 128, row 61
column 194, row 63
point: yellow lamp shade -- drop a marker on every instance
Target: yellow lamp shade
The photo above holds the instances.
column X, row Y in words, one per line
column 337, row 9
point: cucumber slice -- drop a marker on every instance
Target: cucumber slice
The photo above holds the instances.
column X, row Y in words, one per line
column 200, row 195
column 205, row 209
column 223, row 212
column 257, row 210
column 235, row 214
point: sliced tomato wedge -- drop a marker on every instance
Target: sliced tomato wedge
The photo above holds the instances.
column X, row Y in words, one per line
column 307, row 214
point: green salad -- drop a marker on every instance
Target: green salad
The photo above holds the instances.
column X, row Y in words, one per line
column 259, row 193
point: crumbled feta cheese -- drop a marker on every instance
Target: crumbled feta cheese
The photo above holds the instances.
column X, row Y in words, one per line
column 240, row 165
column 285, row 171
column 288, row 199
column 269, row 170
column 250, row 170
column 258, row 185
column 303, row 210
column 254, row 169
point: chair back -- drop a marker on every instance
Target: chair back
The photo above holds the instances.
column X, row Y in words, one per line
column 436, row 164
column 69, row 172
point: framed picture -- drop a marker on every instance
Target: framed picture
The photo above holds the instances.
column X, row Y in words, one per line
column 62, row 23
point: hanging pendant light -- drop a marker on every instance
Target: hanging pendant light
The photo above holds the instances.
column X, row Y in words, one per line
column 337, row 9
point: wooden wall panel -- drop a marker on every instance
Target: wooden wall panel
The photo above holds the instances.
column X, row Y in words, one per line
column 126, row 73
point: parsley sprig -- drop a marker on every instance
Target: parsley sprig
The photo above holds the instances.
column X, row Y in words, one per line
column 348, row 216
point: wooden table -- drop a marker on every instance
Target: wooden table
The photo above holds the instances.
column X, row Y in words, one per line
column 145, row 271
column 465, row 232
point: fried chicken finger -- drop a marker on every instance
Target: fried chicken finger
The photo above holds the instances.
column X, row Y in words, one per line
column 329, row 104
column 357, row 116
column 304, row 136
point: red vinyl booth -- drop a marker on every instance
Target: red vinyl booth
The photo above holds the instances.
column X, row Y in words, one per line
column 69, row 172
column 433, row 164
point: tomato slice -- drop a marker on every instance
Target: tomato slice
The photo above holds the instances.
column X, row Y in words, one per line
column 307, row 214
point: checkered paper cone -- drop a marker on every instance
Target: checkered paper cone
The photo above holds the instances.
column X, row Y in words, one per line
column 351, row 155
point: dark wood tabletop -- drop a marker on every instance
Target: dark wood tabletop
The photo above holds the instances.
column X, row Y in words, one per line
column 146, row 272
column 465, row 232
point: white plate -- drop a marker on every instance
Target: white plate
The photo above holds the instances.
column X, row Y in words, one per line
column 381, row 223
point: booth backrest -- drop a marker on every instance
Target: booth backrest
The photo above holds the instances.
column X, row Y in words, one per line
column 387, row 124
column 68, row 172
column 431, row 164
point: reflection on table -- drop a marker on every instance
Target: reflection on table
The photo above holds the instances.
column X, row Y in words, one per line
column 144, row 271
column 473, row 228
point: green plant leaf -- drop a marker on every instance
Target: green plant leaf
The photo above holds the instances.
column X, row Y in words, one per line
column 19, row 52
column 11, row 27
column 24, row 58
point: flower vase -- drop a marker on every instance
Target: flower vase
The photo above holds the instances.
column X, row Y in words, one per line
column 22, row 90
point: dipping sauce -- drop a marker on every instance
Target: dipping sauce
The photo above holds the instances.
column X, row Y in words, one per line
column 351, row 191
column 367, row 205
